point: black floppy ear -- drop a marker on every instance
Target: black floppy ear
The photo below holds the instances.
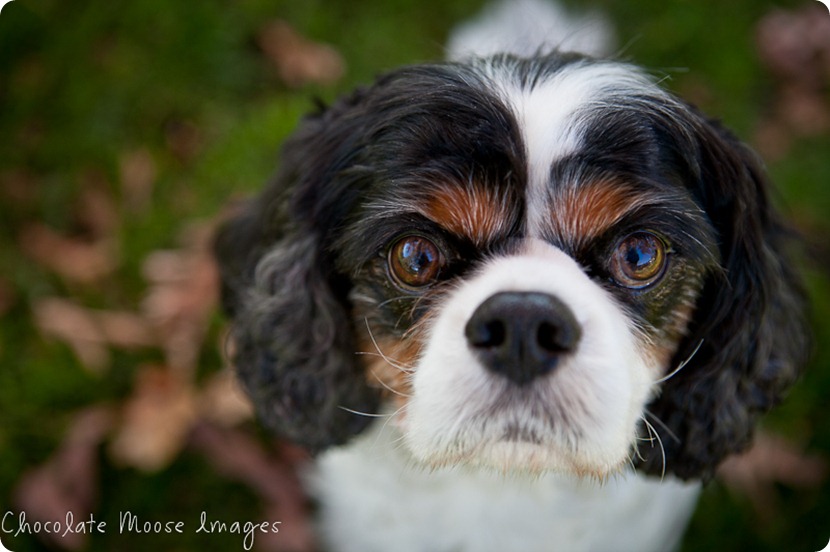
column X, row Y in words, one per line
column 291, row 327
column 750, row 323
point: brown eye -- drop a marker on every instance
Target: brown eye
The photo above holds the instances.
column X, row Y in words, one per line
column 639, row 260
column 415, row 261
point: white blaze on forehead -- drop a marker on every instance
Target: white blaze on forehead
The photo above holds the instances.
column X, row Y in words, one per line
column 552, row 114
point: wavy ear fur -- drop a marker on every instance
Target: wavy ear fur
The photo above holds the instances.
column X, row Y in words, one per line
column 750, row 322
column 291, row 330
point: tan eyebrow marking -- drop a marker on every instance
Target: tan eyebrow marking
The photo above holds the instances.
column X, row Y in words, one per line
column 582, row 213
column 476, row 212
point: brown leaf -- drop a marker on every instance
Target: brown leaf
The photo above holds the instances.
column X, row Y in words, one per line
column 223, row 402
column 182, row 297
column 72, row 259
column 771, row 460
column 90, row 332
column 68, row 481
column 76, row 326
column 138, row 176
column 805, row 112
column 126, row 330
column 299, row 60
column 238, row 456
column 156, row 420
column 795, row 47
column 795, row 44
column 95, row 208
column 296, row 533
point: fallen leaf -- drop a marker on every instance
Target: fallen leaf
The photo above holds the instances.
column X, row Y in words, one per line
column 182, row 296
column 770, row 461
column 274, row 478
column 156, row 420
column 298, row 60
column 296, row 531
column 68, row 481
column 795, row 44
column 223, row 402
column 95, row 208
column 804, row 111
column 138, row 174
column 795, row 47
column 90, row 333
column 126, row 330
column 75, row 260
column 76, row 326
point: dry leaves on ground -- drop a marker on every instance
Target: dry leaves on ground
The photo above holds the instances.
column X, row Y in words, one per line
column 138, row 174
column 90, row 333
column 74, row 259
column 795, row 47
column 155, row 420
column 182, row 296
column 68, row 481
column 91, row 253
column 298, row 60
column 273, row 477
column 772, row 460
column 168, row 409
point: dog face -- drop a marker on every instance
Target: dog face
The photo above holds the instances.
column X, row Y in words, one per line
column 537, row 264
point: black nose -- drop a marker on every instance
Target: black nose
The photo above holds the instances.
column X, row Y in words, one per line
column 522, row 335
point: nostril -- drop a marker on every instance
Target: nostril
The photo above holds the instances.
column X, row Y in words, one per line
column 557, row 337
column 496, row 334
column 546, row 337
column 487, row 335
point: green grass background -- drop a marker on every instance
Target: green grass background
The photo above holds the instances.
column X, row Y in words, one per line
column 92, row 80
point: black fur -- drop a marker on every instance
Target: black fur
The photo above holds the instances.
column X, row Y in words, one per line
column 750, row 325
column 289, row 260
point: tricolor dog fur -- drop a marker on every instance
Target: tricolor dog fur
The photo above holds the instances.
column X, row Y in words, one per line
column 524, row 300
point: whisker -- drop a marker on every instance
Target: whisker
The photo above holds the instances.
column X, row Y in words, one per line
column 392, row 300
column 392, row 362
column 659, row 442
column 389, row 387
column 365, row 414
column 399, row 443
column 674, row 437
column 389, row 418
column 395, row 364
column 681, row 365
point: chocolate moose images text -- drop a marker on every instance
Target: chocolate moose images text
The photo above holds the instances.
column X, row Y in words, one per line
column 16, row 525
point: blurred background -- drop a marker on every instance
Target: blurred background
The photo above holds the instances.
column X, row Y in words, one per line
column 128, row 127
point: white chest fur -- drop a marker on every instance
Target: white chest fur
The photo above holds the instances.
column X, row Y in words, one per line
column 374, row 498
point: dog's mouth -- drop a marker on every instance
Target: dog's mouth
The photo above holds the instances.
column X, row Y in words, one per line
column 515, row 433
column 522, row 452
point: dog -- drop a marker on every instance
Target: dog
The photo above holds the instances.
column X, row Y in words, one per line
column 512, row 301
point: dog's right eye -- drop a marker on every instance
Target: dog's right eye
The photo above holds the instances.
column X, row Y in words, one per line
column 415, row 262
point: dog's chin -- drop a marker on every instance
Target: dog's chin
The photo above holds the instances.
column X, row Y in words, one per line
column 516, row 456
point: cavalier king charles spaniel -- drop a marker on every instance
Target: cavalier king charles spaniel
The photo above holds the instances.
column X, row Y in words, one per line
column 512, row 302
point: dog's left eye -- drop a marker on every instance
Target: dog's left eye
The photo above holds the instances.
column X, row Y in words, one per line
column 639, row 260
column 415, row 261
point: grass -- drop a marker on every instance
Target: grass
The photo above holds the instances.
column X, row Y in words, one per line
column 84, row 85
